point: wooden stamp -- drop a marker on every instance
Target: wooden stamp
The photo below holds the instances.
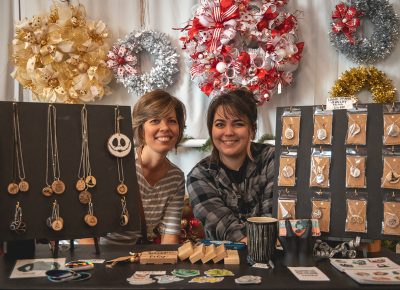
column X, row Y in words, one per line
column 159, row 257
column 198, row 253
column 185, row 250
column 209, row 254
column 232, row 257
column 220, row 253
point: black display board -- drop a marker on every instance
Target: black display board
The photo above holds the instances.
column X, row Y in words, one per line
column 374, row 169
column 36, row 207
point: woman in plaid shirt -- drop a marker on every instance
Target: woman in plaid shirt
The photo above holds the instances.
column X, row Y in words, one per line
column 235, row 181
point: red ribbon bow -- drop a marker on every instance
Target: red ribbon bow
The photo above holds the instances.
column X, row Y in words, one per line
column 347, row 21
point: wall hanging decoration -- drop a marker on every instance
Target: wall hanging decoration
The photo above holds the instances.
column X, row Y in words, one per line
column 60, row 55
column 124, row 58
column 250, row 44
column 355, row 79
column 346, row 34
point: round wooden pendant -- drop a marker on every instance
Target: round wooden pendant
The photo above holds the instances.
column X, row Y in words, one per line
column 84, row 197
column 124, row 220
column 13, row 188
column 90, row 181
column 122, row 189
column 90, row 220
column 119, row 145
column 57, row 225
column 80, row 185
column 58, row 186
column 47, row 191
column 23, row 186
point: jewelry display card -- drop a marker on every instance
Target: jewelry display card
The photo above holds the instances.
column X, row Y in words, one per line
column 391, row 218
column 320, row 164
column 355, row 169
column 391, row 172
column 291, row 127
column 357, row 127
column 53, row 139
column 374, row 152
column 356, row 216
column 286, row 209
column 321, row 211
column 322, row 127
column 391, row 131
column 287, row 169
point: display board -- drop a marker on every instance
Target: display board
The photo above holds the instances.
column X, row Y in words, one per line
column 36, row 207
column 337, row 177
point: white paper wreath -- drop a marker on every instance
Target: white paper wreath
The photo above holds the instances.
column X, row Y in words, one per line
column 123, row 60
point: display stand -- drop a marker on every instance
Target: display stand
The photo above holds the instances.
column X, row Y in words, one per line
column 37, row 207
column 374, row 169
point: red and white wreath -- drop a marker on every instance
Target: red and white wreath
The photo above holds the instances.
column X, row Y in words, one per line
column 236, row 43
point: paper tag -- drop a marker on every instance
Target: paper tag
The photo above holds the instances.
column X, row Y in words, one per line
column 261, row 265
column 308, row 274
column 340, row 103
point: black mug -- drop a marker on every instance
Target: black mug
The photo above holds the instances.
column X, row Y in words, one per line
column 262, row 233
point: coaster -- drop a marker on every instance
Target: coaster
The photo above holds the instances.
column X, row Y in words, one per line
column 218, row 273
column 166, row 279
column 185, row 273
column 206, row 279
column 248, row 279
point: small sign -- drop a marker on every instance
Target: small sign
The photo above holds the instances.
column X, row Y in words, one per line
column 340, row 103
column 308, row 274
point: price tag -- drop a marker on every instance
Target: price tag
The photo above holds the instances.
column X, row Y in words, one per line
column 340, row 103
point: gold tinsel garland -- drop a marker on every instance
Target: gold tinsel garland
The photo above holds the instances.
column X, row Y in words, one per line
column 61, row 56
column 370, row 78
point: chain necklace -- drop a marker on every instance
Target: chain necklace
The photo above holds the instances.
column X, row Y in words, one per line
column 393, row 176
column 354, row 170
column 55, row 222
column 90, row 218
column 57, row 186
column 124, row 220
column 119, row 145
column 18, row 226
column 393, row 130
column 85, row 178
column 356, row 217
column 23, row 185
column 122, row 188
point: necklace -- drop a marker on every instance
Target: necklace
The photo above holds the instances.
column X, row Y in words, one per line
column 287, row 170
column 124, row 219
column 18, row 226
column 55, row 222
column 393, row 130
column 356, row 217
column 318, row 171
column 57, row 186
column 287, row 208
column 317, row 209
column 119, row 145
column 85, row 178
column 354, row 170
column 289, row 132
column 392, row 177
column 23, row 185
column 392, row 220
column 89, row 218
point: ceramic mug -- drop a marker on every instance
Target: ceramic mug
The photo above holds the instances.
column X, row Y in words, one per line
column 262, row 234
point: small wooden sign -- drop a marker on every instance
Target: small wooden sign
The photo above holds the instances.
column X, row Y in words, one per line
column 159, row 257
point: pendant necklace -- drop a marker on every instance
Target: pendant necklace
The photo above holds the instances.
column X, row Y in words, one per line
column 90, row 218
column 55, row 222
column 122, row 188
column 124, row 220
column 85, row 178
column 119, row 145
column 57, row 186
column 18, row 226
column 23, row 186
column 392, row 177
column 393, row 130
column 355, row 217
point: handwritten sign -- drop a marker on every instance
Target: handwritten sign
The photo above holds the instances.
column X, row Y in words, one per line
column 340, row 103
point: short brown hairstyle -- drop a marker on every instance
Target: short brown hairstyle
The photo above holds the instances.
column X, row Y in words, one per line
column 157, row 103
column 239, row 102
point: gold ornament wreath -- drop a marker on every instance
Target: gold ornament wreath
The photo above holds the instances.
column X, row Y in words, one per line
column 370, row 78
column 61, row 56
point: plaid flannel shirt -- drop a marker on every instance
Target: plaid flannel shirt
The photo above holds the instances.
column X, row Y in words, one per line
column 219, row 204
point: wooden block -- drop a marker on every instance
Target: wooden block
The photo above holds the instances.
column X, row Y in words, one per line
column 232, row 257
column 209, row 254
column 198, row 253
column 185, row 251
column 220, row 253
column 159, row 257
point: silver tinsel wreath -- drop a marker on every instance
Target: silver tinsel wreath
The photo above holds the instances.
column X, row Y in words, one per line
column 383, row 39
column 165, row 63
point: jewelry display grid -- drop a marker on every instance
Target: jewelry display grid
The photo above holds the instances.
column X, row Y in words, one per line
column 36, row 208
column 374, row 169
